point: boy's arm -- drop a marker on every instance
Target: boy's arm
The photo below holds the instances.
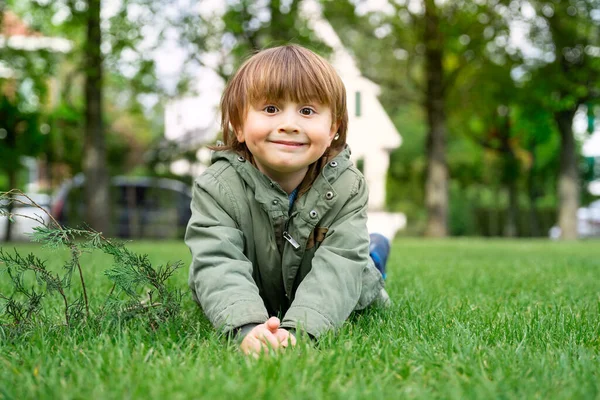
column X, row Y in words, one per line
column 220, row 273
column 332, row 288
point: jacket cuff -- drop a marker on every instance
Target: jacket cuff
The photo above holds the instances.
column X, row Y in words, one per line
column 306, row 319
column 240, row 333
column 239, row 314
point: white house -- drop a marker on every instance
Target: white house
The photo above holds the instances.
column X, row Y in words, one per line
column 371, row 133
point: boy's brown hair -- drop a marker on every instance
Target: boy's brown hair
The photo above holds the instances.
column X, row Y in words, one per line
column 291, row 73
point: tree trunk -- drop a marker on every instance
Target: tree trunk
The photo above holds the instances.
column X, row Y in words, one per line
column 94, row 162
column 510, row 227
column 495, row 215
column 280, row 22
column 532, row 195
column 12, row 184
column 275, row 26
column 11, row 172
column 510, row 175
column 436, row 186
column 568, row 180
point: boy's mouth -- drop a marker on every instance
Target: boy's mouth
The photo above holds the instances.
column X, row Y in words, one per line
column 288, row 143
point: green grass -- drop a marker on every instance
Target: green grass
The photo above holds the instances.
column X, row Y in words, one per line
column 471, row 319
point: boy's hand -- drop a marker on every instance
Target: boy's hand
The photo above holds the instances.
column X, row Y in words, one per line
column 265, row 336
column 285, row 338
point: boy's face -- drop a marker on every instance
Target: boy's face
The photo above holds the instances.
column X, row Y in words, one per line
column 286, row 137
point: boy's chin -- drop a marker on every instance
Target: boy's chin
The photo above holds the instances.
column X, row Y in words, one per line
column 288, row 164
column 288, row 168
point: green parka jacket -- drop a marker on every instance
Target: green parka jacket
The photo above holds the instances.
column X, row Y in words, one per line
column 253, row 257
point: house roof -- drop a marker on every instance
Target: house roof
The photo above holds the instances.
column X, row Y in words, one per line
column 12, row 25
column 16, row 34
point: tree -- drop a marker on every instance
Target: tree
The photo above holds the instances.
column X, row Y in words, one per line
column 436, row 184
column 108, row 56
column 493, row 96
column 539, row 137
column 565, row 77
column 423, row 48
column 95, row 166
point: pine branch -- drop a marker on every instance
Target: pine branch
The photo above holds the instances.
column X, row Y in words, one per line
column 132, row 274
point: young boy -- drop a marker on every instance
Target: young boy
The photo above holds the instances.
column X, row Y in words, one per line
column 278, row 230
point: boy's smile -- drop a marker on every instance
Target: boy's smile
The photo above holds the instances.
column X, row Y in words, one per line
column 286, row 137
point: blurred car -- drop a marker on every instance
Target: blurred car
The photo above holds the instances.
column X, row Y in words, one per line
column 588, row 222
column 24, row 220
column 141, row 207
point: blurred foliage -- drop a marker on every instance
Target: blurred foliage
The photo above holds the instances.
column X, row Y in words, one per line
column 565, row 74
column 59, row 81
column 19, row 134
column 245, row 27
column 503, row 143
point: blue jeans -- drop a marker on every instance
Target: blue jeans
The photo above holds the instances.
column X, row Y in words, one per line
column 379, row 250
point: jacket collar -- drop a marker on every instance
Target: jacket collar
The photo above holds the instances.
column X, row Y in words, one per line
column 270, row 194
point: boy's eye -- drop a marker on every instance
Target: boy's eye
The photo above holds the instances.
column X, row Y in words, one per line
column 307, row 111
column 270, row 109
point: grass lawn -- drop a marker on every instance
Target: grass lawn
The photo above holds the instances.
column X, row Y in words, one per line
column 471, row 319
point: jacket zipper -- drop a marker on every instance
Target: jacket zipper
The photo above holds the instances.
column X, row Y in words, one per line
column 290, row 239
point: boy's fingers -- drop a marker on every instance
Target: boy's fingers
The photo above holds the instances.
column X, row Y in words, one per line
column 292, row 339
column 282, row 336
column 268, row 338
column 272, row 324
column 251, row 345
column 285, row 338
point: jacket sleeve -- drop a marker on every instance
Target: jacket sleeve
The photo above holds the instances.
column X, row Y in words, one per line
column 332, row 288
column 220, row 274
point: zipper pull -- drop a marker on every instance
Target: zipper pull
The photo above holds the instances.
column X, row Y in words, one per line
column 290, row 239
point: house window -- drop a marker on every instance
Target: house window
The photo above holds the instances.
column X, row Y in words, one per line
column 357, row 103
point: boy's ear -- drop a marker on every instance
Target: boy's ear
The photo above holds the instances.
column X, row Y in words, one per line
column 333, row 131
column 239, row 134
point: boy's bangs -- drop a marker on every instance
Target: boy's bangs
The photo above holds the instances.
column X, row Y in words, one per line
column 287, row 78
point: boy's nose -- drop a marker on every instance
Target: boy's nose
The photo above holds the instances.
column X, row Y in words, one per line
column 288, row 126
